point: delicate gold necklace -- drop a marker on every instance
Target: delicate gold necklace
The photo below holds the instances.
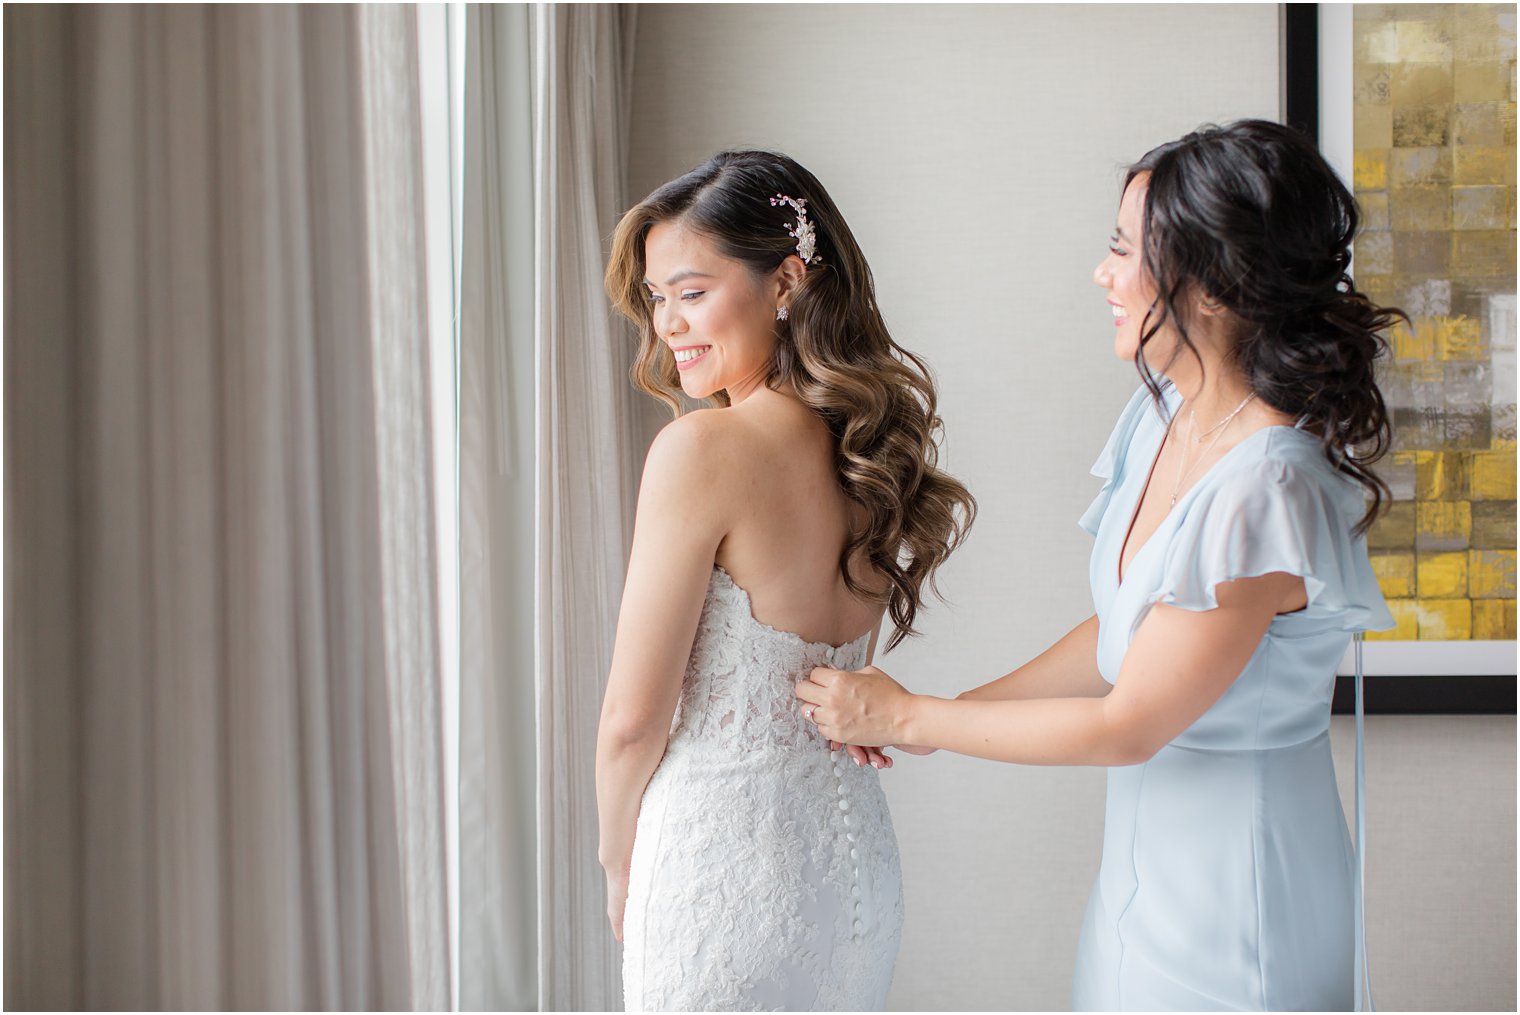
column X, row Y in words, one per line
column 1217, row 430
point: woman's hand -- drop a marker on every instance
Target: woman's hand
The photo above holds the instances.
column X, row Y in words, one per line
column 863, row 707
column 617, row 901
column 876, row 757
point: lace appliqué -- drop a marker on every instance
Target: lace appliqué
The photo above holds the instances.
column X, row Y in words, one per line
column 765, row 871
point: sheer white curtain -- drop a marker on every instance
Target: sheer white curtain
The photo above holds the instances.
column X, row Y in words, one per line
column 552, row 435
column 223, row 780
column 588, row 435
column 498, row 769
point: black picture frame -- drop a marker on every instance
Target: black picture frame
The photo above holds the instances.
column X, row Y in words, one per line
column 1300, row 72
column 1426, row 696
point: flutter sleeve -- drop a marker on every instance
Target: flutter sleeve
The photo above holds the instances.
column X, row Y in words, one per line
column 1110, row 464
column 1276, row 516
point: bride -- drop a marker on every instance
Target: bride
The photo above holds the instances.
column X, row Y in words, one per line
column 749, row 867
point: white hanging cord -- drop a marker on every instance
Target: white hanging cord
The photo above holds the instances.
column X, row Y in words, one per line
column 1363, row 971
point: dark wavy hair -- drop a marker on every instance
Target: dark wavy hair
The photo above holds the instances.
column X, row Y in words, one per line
column 833, row 352
column 1250, row 216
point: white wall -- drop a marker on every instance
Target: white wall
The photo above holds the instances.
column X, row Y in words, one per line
column 977, row 151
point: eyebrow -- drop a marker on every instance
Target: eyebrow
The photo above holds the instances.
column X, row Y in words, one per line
column 682, row 276
column 1120, row 233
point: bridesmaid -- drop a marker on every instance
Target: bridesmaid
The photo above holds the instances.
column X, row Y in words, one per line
column 1228, row 575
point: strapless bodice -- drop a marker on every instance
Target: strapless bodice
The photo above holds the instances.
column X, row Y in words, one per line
column 737, row 695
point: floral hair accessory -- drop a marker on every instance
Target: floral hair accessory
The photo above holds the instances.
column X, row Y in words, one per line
column 802, row 232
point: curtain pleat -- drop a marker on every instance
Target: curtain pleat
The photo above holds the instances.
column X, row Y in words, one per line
column 498, row 767
column 44, row 925
column 183, row 456
column 587, row 427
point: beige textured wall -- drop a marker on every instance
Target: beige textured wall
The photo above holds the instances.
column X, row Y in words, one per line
column 1440, row 858
column 976, row 152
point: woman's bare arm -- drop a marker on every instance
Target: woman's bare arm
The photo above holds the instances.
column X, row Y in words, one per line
column 1068, row 669
column 1179, row 663
column 678, row 527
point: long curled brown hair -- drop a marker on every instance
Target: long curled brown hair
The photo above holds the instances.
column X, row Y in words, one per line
column 833, row 353
column 1252, row 215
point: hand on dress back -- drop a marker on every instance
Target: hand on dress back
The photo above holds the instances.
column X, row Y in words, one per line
column 876, row 757
column 865, row 707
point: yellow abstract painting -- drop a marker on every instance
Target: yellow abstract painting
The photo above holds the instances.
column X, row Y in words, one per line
column 1434, row 172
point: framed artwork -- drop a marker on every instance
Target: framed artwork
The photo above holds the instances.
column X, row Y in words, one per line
column 1415, row 105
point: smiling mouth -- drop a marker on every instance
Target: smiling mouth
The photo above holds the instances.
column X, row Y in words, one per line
column 687, row 358
column 1120, row 314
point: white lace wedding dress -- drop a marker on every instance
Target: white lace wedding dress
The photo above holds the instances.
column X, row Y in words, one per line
column 765, row 872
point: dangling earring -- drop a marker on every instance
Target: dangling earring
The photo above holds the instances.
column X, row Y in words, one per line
column 782, row 313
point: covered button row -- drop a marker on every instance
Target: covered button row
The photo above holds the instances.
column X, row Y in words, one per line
column 844, row 805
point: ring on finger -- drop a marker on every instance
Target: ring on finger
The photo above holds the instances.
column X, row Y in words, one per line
column 809, row 711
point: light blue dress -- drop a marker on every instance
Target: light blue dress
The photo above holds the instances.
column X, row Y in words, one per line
column 1227, row 874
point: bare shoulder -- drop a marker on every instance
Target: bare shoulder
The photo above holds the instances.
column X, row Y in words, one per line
column 699, row 455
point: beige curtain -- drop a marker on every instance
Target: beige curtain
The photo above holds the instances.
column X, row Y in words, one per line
column 548, row 432
column 223, row 779
column 588, row 427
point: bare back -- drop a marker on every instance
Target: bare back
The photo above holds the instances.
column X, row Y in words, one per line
column 789, row 521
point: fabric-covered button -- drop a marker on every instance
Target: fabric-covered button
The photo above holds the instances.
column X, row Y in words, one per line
column 844, row 805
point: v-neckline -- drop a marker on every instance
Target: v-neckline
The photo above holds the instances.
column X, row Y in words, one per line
column 1140, row 504
column 1140, row 501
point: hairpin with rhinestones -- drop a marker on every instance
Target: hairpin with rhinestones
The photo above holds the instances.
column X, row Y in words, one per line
column 802, row 232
